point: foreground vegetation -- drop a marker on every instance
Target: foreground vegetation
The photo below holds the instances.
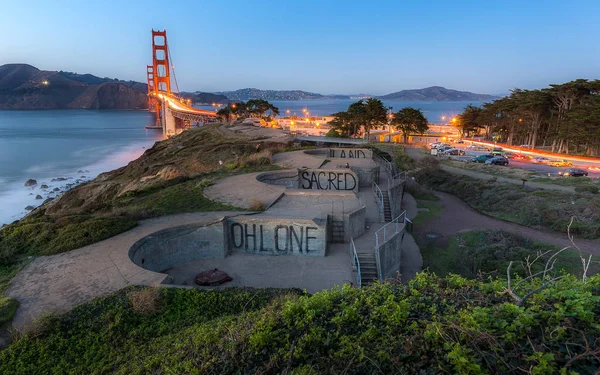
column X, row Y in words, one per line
column 482, row 253
column 433, row 325
column 546, row 209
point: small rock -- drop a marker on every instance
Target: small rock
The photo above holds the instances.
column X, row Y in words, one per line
column 29, row 208
column 86, row 171
column 56, row 189
column 30, row 182
column 44, row 186
column 69, row 178
column 80, row 171
column 38, row 197
column 58, row 179
column 82, row 177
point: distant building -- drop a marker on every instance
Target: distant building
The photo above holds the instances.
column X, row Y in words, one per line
column 436, row 133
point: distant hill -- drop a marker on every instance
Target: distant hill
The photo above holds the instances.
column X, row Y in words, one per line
column 252, row 93
column 199, row 97
column 436, row 93
column 23, row 86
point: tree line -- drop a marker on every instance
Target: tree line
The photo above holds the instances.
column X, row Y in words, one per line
column 259, row 108
column 363, row 116
column 563, row 117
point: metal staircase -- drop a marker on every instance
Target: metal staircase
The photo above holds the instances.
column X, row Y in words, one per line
column 368, row 268
column 387, row 211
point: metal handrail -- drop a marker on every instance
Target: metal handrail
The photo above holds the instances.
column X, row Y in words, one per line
column 396, row 221
column 385, row 230
column 355, row 262
column 397, row 176
column 379, row 199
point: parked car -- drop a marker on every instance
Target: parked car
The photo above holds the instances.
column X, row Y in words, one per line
column 560, row 163
column 497, row 160
column 497, row 151
column 434, row 144
column 519, row 157
column 482, row 158
column 459, row 141
column 454, row 151
column 444, row 148
column 574, row 172
column 540, row 160
column 477, row 148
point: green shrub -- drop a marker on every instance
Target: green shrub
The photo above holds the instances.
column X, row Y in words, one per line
column 587, row 188
column 8, row 309
column 432, row 325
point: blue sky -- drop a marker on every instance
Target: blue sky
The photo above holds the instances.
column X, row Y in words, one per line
column 350, row 46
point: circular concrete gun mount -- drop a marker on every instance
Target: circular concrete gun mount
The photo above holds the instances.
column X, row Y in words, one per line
column 55, row 284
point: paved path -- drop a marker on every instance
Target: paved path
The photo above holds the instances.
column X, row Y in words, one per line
column 242, row 190
column 297, row 159
column 457, row 216
column 57, row 283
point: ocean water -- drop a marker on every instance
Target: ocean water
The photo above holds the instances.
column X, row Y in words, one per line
column 67, row 144
column 432, row 110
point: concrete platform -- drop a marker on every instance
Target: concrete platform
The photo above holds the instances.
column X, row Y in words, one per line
column 270, row 271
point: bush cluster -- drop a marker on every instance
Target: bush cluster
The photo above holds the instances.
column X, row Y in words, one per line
column 433, row 325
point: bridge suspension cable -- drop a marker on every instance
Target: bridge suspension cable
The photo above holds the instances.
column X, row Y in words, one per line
column 173, row 70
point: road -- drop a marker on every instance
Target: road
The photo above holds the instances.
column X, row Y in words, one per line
column 528, row 165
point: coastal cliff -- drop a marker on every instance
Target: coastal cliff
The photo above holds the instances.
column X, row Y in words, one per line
column 23, row 86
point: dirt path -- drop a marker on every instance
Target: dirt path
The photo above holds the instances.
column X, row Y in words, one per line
column 457, row 216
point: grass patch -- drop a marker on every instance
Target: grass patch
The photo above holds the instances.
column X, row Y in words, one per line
column 446, row 325
column 47, row 235
column 182, row 197
column 474, row 253
column 546, row 209
column 432, row 209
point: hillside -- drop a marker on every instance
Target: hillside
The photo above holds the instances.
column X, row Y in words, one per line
column 23, row 86
column 252, row 93
column 436, row 93
column 204, row 97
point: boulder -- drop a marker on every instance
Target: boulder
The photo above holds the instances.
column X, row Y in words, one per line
column 30, row 182
column 44, row 186
column 56, row 189
column 29, row 208
column 38, row 197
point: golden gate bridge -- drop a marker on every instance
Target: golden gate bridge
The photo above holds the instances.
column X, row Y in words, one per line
column 173, row 115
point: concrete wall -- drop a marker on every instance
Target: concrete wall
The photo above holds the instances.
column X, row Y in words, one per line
column 395, row 194
column 289, row 179
column 350, row 153
column 366, row 175
column 277, row 236
column 354, row 223
column 390, row 255
column 182, row 244
column 328, row 179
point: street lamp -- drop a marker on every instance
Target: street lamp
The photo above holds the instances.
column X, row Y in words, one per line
column 443, row 120
column 390, row 117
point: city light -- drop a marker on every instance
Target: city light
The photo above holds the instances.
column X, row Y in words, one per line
column 45, row 83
